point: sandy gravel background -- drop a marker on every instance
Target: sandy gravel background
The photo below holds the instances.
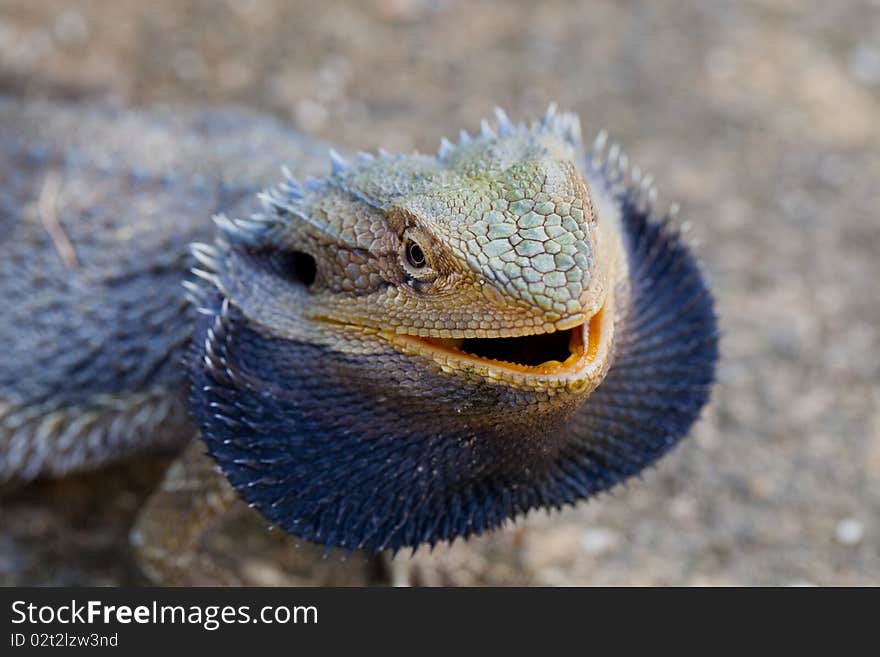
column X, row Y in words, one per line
column 762, row 118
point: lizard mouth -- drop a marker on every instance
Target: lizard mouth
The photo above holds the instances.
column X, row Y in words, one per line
column 538, row 353
column 573, row 357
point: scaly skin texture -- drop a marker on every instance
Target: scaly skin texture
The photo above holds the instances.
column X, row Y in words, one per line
column 97, row 207
column 407, row 350
column 418, row 348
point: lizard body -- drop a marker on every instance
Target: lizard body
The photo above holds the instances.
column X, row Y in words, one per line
column 407, row 350
column 91, row 372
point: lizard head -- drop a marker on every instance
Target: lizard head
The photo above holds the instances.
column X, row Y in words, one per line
column 485, row 259
column 393, row 354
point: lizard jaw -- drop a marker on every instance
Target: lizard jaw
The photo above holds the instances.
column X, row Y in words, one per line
column 575, row 359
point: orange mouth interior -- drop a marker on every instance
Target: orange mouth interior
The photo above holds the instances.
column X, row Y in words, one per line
column 559, row 352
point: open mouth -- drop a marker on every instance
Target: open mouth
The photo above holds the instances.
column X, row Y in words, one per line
column 528, row 350
column 558, row 353
column 541, row 350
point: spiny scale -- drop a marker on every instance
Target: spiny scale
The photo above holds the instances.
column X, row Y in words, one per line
column 612, row 164
column 397, row 481
column 290, row 425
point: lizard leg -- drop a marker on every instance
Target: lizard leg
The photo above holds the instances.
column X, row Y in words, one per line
column 195, row 531
column 191, row 500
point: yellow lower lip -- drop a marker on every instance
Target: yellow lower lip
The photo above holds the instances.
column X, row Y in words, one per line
column 583, row 345
column 590, row 347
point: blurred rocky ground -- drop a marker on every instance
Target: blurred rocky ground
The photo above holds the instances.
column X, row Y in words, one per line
column 762, row 118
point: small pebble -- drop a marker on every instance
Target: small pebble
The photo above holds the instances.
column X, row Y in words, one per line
column 261, row 572
column 599, row 540
column 849, row 531
column 864, row 64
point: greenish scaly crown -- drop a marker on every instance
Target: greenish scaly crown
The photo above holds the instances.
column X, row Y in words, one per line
column 503, row 225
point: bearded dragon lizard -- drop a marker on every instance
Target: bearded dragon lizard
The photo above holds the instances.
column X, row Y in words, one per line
column 404, row 349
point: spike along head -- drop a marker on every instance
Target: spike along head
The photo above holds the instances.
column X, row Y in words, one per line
column 402, row 351
column 494, row 237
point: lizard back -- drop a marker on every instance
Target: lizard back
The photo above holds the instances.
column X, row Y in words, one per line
column 97, row 208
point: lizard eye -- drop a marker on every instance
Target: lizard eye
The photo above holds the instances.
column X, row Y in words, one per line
column 414, row 255
column 417, row 261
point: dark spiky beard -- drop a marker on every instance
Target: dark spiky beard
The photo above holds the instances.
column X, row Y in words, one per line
column 322, row 446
